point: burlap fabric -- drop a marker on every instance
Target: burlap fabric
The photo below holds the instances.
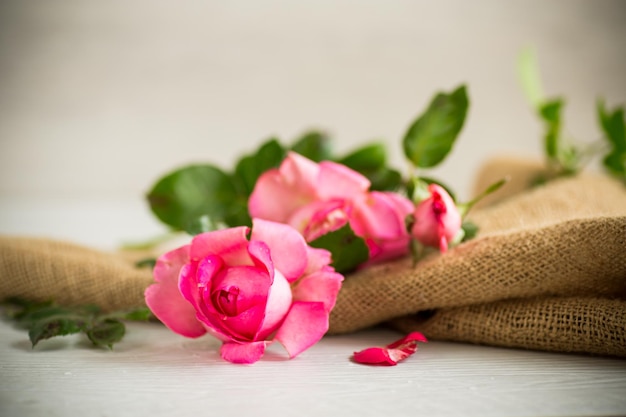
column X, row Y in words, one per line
column 69, row 274
column 547, row 271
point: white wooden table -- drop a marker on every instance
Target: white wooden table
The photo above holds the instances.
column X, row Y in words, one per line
column 155, row 372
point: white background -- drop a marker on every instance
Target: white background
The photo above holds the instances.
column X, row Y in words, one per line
column 100, row 98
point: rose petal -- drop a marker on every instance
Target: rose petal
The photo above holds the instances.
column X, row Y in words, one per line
column 380, row 216
column 338, row 181
column 408, row 340
column 320, row 217
column 278, row 304
column 229, row 244
column 165, row 299
column 391, row 354
column 304, row 326
column 317, row 259
column 239, row 296
column 279, row 192
column 193, row 291
column 261, row 256
column 252, row 287
column 386, row 250
column 243, row 352
column 287, row 246
column 194, row 276
column 321, row 286
column 168, row 265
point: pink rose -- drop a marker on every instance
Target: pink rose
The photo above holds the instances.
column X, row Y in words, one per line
column 319, row 198
column 247, row 293
column 437, row 219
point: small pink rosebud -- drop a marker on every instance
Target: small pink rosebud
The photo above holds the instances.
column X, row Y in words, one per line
column 437, row 219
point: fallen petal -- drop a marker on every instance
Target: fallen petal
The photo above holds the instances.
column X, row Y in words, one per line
column 391, row 354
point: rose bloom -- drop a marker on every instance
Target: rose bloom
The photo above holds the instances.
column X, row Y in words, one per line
column 437, row 219
column 319, row 198
column 247, row 293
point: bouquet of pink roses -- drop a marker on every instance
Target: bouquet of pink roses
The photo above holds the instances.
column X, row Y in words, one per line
column 314, row 217
column 296, row 241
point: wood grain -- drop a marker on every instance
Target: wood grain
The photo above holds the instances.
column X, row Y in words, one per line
column 155, row 372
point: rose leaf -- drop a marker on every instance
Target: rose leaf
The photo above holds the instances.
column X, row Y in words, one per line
column 347, row 249
column 182, row 196
column 431, row 137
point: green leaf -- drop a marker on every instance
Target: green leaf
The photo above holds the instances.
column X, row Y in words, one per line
column 612, row 124
column 46, row 320
column 370, row 160
column 204, row 224
column 385, row 179
column 60, row 326
column 250, row 167
column 313, row 145
column 139, row 314
column 106, row 332
column 38, row 313
column 367, row 158
column 550, row 112
column 431, row 137
column 19, row 309
column 146, row 263
column 188, row 193
column 528, row 70
column 616, row 164
column 470, row 230
column 347, row 249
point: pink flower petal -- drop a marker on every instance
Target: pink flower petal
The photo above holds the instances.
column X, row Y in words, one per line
column 338, row 181
column 317, row 259
column 278, row 305
column 386, row 250
column 380, row 216
column 229, row 244
column 287, row 247
column 238, row 296
column 320, row 217
column 195, row 276
column 243, row 352
column 392, row 353
column 237, row 289
column 165, row 300
column 321, row 286
column 302, row 171
column 304, row 326
column 261, row 256
column 193, row 290
column 279, row 192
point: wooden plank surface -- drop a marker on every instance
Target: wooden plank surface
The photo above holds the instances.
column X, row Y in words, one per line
column 155, row 372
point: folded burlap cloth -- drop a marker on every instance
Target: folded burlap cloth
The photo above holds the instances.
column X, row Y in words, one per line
column 547, row 271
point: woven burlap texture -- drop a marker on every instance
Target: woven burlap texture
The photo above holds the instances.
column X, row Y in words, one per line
column 69, row 274
column 547, row 271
